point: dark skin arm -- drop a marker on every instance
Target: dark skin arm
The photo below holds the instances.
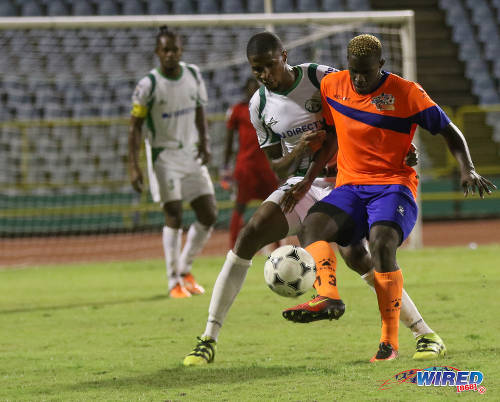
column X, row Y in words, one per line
column 201, row 124
column 322, row 156
column 134, row 147
column 285, row 165
column 469, row 179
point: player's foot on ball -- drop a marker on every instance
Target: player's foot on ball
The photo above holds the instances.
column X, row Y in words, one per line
column 319, row 308
column 179, row 292
column 191, row 285
column 203, row 353
column 385, row 352
column 429, row 346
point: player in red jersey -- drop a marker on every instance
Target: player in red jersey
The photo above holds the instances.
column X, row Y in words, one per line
column 374, row 115
column 254, row 178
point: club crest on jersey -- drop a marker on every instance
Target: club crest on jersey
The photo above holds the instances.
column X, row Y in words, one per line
column 384, row 102
column 271, row 122
column 313, row 105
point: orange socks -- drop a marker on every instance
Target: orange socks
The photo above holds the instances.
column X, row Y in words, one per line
column 389, row 286
column 326, row 267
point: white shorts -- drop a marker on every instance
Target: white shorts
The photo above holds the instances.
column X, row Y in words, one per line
column 173, row 180
column 319, row 189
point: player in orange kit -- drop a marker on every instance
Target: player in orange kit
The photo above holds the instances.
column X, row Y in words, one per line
column 254, row 177
column 374, row 115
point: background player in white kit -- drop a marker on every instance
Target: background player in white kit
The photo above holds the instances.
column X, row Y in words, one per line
column 170, row 99
column 287, row 110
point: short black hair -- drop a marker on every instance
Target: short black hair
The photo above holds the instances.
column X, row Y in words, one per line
column 263, row 42
column 164, row 31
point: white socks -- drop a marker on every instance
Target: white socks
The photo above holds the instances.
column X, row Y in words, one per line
column 410, row 315
column 227, row 286
column 172, row 239
column 196, row 238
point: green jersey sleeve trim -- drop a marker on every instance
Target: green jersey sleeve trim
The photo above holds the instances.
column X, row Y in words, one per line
column 193, row 72
column 311, row 73
column 153, row 83
column 155, row 152
column 262, row 104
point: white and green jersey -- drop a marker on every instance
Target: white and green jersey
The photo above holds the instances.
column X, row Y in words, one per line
column 169, row 105
column 285, row 117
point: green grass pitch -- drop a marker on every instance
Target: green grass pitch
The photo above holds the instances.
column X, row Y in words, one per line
column 106, row 332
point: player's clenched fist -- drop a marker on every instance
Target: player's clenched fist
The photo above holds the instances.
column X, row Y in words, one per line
column 314, row 139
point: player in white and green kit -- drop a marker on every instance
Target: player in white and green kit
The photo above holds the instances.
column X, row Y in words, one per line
column 286, row 113
column 170, row 100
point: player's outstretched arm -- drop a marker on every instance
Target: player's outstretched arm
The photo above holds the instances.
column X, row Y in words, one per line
column 469, row 178
column 134, row 146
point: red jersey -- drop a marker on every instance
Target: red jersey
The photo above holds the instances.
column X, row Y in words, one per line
column 375, row 131
column 250, row 155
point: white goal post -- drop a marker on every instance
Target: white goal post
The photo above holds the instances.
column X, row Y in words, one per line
column 59, row 145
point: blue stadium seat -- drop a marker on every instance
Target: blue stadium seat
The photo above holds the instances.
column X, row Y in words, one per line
column 107, row 7
column 31, row 8
column 468, row 48
column 283, row 6
column 333, row 5
column 233, row 6
column 54, row 110
column 358, row 5
column 7, row 9
column 487, row 31
column 158, row 7
column 255, row 6
column 492, row 49
column 82, row 7
column 183, row 7
column 307, row 6
column 208, row 7
column 132, row 7
column 57, row 7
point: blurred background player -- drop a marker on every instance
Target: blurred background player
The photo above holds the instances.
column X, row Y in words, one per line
column 171, row 98
column 374, row 115
column 254, row 178
column 286, row 113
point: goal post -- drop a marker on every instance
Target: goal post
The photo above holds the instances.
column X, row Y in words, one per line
column 66, row 85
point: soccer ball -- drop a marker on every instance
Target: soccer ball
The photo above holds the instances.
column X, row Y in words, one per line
column 290, row 271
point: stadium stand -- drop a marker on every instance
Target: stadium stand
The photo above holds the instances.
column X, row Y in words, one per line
column 458, row 44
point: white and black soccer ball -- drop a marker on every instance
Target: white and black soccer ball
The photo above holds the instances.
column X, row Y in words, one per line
column 290, row 271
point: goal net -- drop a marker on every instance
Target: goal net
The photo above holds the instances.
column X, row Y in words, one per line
column 65, row 93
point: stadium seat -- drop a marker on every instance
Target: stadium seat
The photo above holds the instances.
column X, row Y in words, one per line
column 233, row 6
column 107, row 7
column 183, row 7
column 333, row 5
column 82, row 7
column 31, row 8
column 283, row 6
column 208, row 7
column 132, row 7
column 307, row 6
column 7, row 9
column 357, row 5
column 255, row 6
column 467, row 49
column 57, row 7
column 158, row 7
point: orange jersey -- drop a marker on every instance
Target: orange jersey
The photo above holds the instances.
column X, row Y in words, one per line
column 375, row 131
